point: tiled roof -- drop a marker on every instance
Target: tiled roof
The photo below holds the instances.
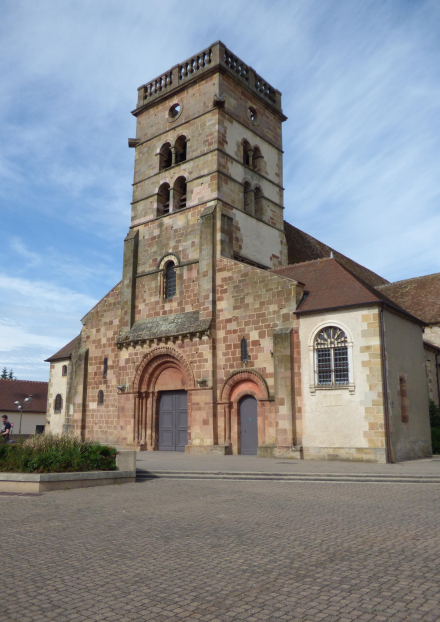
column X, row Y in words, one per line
column 331, row 285
column 65, row 352
column 419, row 296
column 303, row 247
column 16, row 390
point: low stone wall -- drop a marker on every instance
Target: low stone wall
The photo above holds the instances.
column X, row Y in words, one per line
column 272, row 451
column 45, row 482
column 355, row 454
column 221, row 450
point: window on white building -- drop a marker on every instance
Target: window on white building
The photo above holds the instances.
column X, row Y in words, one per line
column 331, row 358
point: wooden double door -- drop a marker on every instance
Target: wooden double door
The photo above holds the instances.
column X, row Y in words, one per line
column 173, row 421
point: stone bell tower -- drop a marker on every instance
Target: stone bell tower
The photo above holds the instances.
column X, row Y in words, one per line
column 207, row 191
column 208, row 136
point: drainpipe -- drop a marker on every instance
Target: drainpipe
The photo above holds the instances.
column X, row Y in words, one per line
column 385, row 387
column 438, row 384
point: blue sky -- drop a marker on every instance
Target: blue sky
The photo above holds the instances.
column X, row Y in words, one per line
column 361, row 89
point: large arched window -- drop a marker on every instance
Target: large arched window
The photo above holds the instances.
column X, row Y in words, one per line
column 165, row 157
column 100, row 397
column 331, row 357
column 170, row 280
column 58, row 404
column 180, row 148
column 163, row 200
column 180, row 193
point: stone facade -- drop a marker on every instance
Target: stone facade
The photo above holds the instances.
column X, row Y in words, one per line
column 199, row 309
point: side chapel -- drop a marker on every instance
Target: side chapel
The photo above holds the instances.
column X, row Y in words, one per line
column 231, row 330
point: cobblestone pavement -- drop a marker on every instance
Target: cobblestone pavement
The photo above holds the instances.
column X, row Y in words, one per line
column 167, row 550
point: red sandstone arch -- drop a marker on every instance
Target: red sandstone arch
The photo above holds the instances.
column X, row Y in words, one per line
column 242, row 380
column 239, row 384
column 155, row 362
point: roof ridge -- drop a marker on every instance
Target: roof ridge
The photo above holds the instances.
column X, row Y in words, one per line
column 412, row 278
column 302, row 263
column 21, row 380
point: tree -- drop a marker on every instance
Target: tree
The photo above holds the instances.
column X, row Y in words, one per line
column 7, row 375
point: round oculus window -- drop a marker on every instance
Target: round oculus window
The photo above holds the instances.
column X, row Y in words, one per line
column 174, row 112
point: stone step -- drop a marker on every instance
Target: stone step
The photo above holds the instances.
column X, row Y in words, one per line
column 288, row 477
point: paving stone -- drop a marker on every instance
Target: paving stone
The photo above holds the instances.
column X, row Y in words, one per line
column 210, row 551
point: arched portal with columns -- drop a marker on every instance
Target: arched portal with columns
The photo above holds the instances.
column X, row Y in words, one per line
column 162, row 369
column 238, row 385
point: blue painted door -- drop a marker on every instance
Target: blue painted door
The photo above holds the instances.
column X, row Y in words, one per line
column 248, row 426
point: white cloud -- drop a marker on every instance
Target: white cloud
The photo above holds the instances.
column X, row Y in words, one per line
column 43, row 295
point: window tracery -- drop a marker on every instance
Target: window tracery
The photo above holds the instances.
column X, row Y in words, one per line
column 331, row 353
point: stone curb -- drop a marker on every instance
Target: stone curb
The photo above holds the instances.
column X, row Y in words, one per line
column 288, row 477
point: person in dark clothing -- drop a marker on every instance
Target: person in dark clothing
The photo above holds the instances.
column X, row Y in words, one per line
column 5, row 429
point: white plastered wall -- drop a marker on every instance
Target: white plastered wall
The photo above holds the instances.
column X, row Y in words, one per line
column 336, row 417
column 57, row 384
column 29, row 421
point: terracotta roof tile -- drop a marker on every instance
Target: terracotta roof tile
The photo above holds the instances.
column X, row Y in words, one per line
column 65, row 352
column 419, row 296
column 16, row 390
column 303, row 248
column 331, row 285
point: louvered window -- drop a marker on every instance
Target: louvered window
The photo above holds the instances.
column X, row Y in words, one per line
column 170, row 281
column 331, row 357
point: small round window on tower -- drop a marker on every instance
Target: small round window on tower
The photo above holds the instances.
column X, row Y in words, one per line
column 174, row 112
column 252, row 115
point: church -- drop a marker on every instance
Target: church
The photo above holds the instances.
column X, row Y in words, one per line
column 232, row 331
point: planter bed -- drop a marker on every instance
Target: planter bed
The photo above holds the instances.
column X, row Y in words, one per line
column 45, row 482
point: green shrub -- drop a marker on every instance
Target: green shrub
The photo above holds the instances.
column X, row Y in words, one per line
column 435, row 435
column 49, row 453
column 434, row 414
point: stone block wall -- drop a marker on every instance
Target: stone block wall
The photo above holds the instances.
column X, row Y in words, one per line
column 98, row 339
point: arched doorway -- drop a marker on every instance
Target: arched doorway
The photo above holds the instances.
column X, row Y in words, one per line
column 162, row 409
column 248, row 426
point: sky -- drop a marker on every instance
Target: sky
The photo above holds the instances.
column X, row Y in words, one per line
column 361, row 90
